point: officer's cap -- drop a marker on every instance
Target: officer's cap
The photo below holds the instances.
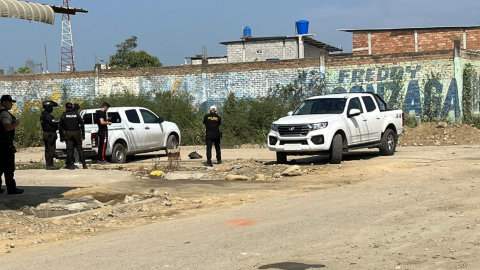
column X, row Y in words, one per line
column 69, row 105
column 7, row 98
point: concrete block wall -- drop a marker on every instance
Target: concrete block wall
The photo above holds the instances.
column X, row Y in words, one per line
column 254, row 79
column 269, row 49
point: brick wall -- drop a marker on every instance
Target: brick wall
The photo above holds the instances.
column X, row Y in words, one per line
column 402, row 41
column 268, row 49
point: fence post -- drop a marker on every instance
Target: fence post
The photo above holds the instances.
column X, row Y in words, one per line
column 457, row 61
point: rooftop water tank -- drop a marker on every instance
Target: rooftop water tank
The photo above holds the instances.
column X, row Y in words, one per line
column 302, row 27
column 247, row 32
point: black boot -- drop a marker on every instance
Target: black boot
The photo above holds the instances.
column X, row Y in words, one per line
column 50, row 166
column 219, row 161
column 209, row 163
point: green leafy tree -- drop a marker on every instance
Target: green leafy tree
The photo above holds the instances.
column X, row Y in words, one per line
column 127, row 57
column 24, row 70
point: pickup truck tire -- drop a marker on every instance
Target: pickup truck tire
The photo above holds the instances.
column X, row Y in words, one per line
column 119, row 154
column 281, row 158
column 172, row 143
column 388, row 143
column 336, row 149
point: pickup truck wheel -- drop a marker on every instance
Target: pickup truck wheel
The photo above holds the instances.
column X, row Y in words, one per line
column 388, row 143
column 281, row 158
column 336, row 150
column 119, row 153
column 172, row 143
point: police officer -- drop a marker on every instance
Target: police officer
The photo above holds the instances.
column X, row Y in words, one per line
column 76, row 107
column 72, row 131
column 7, row 148
column 213, row 136
column 49, row 127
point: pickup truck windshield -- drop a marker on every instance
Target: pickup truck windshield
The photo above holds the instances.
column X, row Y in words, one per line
column 321, row 106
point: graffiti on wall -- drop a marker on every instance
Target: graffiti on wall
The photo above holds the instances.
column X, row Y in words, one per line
column 380, row 80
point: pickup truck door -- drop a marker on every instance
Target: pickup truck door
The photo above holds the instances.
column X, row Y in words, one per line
column 135, row 130
column 154, row 133
column 373, row 118
column 356, row 124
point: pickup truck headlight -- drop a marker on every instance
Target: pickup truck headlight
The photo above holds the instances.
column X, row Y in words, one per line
column 274, row 127
column 318, row 126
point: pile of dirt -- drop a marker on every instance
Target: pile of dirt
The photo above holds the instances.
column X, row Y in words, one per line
column 440, row 134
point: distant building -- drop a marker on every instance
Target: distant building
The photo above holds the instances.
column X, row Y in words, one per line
column 251, row 49
column 197, row 60
column 421, row 39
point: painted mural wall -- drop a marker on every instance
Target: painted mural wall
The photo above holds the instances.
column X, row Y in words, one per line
column 250, row 80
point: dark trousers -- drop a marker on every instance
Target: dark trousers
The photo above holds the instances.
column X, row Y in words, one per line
column 73, row 140
column 7, row 168
column 215, row 142
column 50, row 145
column 102, row 144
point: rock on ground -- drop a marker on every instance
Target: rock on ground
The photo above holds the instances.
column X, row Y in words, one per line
column 293, row 171
column 233, row 177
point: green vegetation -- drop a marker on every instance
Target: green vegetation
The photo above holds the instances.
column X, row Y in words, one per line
column 126, row 56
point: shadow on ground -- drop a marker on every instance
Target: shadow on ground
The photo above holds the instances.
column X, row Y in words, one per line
column 33, row 196
column 292, row 266
column 323, row 159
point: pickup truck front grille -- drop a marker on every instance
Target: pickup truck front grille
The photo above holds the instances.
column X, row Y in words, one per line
column 293, row 130
column 302, row 142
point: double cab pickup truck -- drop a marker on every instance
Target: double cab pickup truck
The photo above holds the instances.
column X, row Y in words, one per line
column 334, row 124
column 134, row 130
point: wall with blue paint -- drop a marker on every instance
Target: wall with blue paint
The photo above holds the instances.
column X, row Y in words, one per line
column 250, row 80
column 379, row 78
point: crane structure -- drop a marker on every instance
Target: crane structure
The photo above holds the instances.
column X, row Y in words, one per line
column 67, row 58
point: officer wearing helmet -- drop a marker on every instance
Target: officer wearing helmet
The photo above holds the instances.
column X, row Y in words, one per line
column 72, row 132
column 49, row 127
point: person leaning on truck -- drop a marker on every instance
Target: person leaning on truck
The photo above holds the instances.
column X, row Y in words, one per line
column 72, row 132
column 49, row 128
column 7, row 148
column 103, row 123
column 212, row 124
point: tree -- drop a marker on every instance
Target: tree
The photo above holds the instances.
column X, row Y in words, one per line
column 11, row 70
column 24, row 70
column 127, row 57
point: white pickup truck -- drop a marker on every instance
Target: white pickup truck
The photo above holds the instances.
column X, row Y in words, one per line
column 334, row 124
column 133, row 130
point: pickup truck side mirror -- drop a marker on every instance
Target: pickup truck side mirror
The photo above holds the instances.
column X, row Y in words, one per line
column 160, row 120
column 354, row 112
column 289, row 113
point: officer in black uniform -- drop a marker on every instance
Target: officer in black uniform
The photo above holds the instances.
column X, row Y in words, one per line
column 8, row 123
column 213, row 135
column 72, row 131
column 49, row 127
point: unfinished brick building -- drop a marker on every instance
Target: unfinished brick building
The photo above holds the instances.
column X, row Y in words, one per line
column 404, row 40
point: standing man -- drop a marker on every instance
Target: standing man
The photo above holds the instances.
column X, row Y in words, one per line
column 49, row 127
column 212, row 124
column 72, row 132
column 7, row 148
column 103, row 123
column 76, row 155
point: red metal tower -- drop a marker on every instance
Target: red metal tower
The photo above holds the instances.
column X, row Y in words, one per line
column 67, row 60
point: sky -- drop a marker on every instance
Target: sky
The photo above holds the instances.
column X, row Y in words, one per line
column 173, row 30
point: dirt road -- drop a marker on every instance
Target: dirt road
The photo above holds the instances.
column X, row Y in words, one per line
column 415, row 210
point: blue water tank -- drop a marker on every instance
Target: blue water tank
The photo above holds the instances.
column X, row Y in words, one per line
column 247, row 32
column 302, row 27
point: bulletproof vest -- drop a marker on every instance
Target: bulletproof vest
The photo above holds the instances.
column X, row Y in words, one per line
column 71, row 120
column 7, row 137
column 45, row 126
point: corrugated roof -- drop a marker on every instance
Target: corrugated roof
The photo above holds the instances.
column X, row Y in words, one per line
column 306, row 39
column 411, row 28
column 27, row 11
